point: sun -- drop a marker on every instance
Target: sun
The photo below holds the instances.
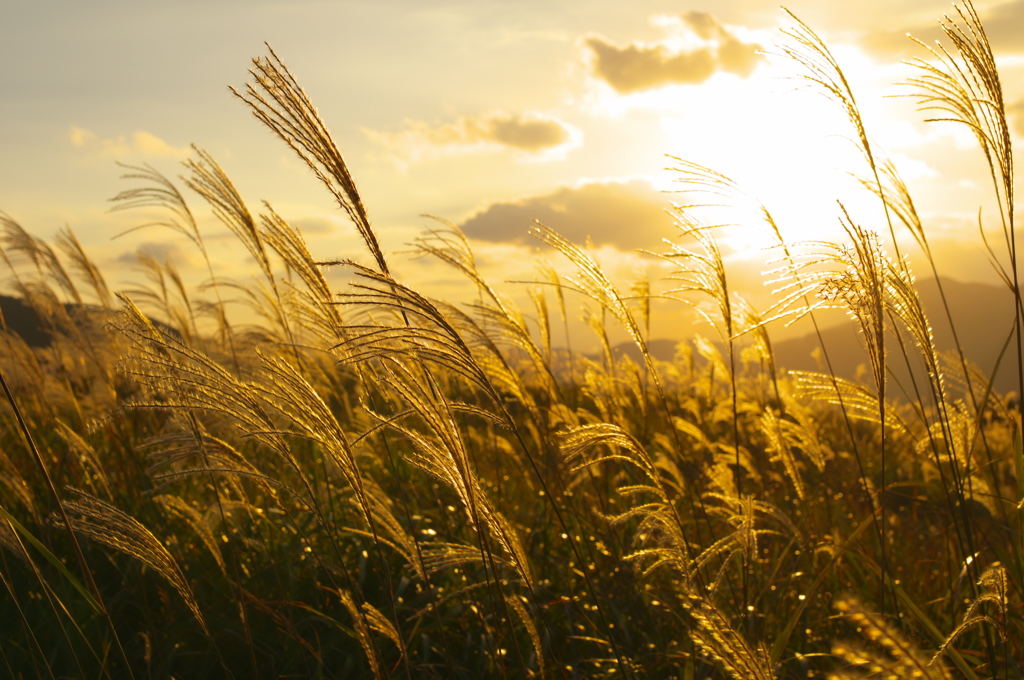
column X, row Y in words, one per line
column 782, row 146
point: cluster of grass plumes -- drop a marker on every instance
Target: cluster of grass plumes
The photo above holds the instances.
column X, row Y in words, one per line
column 374, row 483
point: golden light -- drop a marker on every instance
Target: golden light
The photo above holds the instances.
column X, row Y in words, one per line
column 785, row 144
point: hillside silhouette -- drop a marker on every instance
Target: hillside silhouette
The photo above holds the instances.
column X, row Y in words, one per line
column 983, row 313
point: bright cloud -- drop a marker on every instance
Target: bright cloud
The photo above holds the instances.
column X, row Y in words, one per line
column 706, row 47
column 80, row 137
column 535, row 134
column 913, row 168
column 139, row 143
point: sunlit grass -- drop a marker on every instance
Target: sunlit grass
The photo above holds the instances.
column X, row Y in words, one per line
column 374, row 483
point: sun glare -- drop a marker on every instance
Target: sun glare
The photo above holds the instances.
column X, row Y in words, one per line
column 782, row 144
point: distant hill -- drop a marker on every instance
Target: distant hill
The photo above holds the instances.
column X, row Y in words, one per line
column 21, row 319
column 983, row 315
column 662, row 350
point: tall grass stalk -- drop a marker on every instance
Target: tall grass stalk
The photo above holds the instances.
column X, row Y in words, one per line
column 371, row 482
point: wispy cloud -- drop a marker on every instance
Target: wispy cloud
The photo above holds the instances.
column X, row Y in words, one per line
column 706, row 48
column 139, row 143
column 537, row 135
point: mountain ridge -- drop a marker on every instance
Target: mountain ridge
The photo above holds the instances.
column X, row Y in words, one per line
column 983, row 318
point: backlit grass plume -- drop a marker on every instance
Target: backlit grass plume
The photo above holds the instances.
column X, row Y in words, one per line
column 108, row 525
column 363, row 480
column 277, row 100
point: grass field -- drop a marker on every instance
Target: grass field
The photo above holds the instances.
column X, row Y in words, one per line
column 374, row 483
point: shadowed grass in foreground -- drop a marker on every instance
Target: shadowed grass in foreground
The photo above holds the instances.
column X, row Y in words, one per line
column 374, row 483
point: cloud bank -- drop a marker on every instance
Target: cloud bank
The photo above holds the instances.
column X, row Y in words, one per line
column 532, row 133
column 626, row 215
column 642, row 66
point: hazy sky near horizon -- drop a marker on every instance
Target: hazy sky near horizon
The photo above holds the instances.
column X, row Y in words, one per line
column 488, row 114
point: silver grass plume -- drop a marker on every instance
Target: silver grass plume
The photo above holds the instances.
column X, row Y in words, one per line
column 315, row 309
column 184, row 454
column 427, row 334
column 441, row 453
column 995, row 586
column 902, row 659
column 84, row 266
column 106, row 524
column 175, row 506
column 717, row 638
column 18, row 242
column 277, row 100
column 965, row 88
column 210, row 181
column 497, row 316
column 365, row 619
column 859, row 400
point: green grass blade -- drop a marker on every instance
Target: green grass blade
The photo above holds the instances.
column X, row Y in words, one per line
column 779, row 646
column 52, row 559
column 1018, row 459
column 932, row 629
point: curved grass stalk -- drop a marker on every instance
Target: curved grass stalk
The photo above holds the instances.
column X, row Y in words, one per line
column 159, row 192
column 112, row 527
column 194, row 381
column 902, row 659
column 276, row 100
column 97, row 599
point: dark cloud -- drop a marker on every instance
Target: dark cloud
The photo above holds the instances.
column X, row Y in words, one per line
column 1004, row 26
column 628, row 215
column 634, row 67
column 525, row 134
column 638, row 66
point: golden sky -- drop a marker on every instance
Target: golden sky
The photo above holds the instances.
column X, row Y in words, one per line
column 488, row 114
